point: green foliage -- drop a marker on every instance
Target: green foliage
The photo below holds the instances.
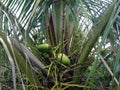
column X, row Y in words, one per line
column 59, row 44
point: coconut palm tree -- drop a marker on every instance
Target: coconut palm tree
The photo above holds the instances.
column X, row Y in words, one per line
column 38, row 36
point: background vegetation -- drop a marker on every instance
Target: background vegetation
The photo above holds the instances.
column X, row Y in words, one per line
column 86, row 31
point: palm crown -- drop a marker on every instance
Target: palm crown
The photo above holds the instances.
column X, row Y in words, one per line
column 36, row 33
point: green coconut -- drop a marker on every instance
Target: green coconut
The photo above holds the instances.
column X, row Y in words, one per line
column 62, row 58
column 44, row 47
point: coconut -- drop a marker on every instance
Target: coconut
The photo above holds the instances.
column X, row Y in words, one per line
column 62, row 58
column 44, row 47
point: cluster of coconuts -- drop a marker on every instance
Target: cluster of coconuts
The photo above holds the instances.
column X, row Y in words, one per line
column 61, row 57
